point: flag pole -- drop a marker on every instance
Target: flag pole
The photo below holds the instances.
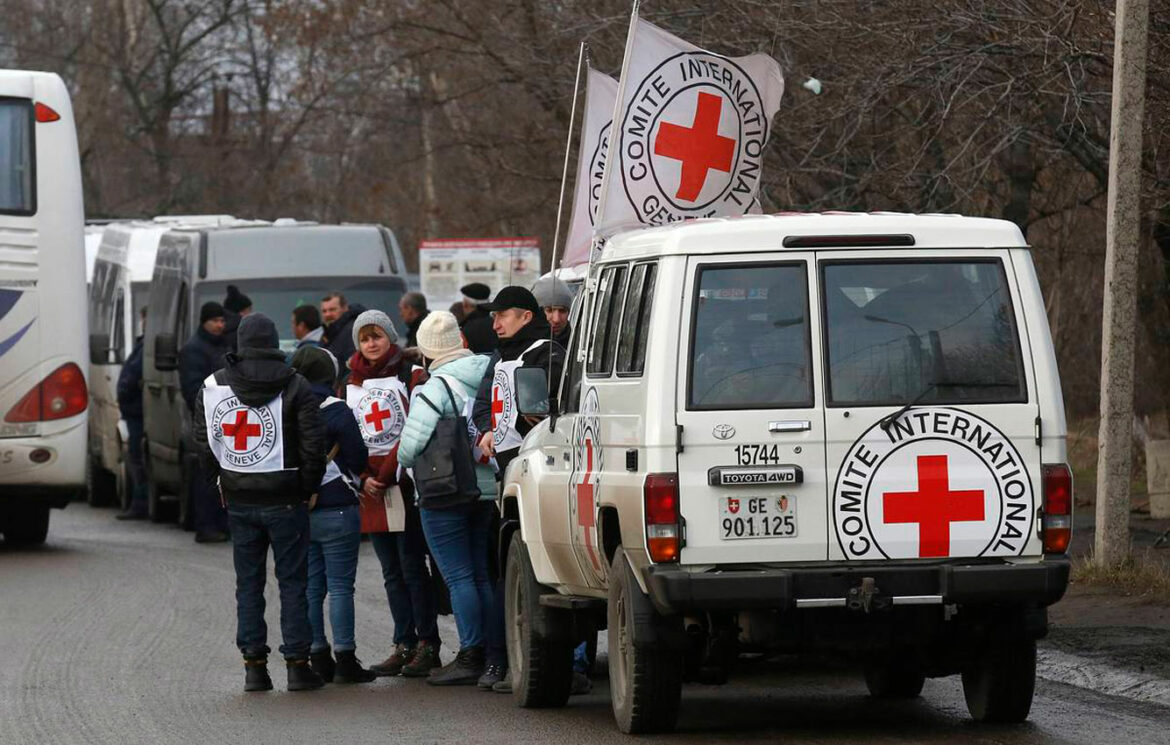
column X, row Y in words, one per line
column 568, row 148
column 615, row 128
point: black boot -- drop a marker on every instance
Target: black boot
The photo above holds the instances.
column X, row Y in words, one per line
column 256, row 674
column 301, row 677
column 322, row 664
column 465, row 670
column 350, row 670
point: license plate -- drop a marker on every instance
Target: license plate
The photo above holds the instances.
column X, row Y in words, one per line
column 757, row 517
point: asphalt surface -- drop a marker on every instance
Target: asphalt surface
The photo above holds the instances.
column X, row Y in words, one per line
column 123, row 633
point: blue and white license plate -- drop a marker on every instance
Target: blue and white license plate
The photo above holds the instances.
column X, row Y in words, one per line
column 757, row 517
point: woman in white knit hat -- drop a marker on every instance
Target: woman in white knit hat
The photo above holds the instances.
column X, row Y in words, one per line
column 457, row 536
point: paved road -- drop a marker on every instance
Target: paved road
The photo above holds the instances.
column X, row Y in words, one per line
column 117, row 633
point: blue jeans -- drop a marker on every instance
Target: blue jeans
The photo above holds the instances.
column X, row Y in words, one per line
column 286, row 529
column 335, row 534
column 136, row 466
column 458, row 538
column 409, row 589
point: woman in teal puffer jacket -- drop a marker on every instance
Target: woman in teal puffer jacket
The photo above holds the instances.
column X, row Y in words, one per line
column 457, row 536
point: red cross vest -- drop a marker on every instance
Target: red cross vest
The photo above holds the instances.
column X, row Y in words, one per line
column 505, row 413
column 243, row 438
column 380, row 407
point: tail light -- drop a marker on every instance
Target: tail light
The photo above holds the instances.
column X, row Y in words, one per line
column 60, row 395
column 44, row 114
column 1056, row 526
column 663, row 522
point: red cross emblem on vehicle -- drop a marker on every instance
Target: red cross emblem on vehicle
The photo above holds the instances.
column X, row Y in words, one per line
column 585, row 515
column 241, row 431
column 700, row 147
column 934, row 506
column 378, row 416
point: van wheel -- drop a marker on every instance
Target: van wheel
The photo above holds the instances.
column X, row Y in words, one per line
column 542, row 669
column 893, row 678
column 26, row 525
column 645, row 682
column 100, row 485
column 186, row 509
column 156, row 510
column 999, row 683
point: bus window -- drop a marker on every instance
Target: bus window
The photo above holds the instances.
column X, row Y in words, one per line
column 16, row 157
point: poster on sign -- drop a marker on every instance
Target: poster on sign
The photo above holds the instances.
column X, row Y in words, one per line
column 444, row 266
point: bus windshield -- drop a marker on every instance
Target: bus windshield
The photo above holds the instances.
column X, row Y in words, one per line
column 16, row 157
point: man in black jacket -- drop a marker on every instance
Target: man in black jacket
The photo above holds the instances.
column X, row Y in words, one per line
column 477, row 322
column 338, row 316
column 259, row 430
column 130, row 407
column 201, row 356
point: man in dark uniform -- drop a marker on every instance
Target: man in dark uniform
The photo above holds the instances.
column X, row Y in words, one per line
column 477, row 322
column 201, row 356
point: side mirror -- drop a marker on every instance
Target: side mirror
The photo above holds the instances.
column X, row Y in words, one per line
column 99, row 349
column 166, row 352
column 532, row 391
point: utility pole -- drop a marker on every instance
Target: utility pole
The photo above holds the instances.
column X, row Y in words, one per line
column 1123, row 231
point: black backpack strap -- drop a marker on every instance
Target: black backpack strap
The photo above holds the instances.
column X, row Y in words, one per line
column 450, row 396
column 427, row 401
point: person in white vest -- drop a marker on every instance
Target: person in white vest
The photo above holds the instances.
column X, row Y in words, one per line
column 259, row 435
column 524, row 335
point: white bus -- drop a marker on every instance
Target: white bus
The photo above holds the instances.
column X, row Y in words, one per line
column 43, row 393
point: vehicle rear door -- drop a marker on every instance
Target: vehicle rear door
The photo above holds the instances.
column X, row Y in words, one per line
column 751, row 458
column 957, row 473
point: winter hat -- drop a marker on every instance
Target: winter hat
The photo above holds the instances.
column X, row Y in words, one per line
column 210, row 309
column 257, row 331
column 513, row 296
column 551, row 292
column 236, row 301
column 439, row 337
column 374, row 318
column 317, row 364
column 476, row 292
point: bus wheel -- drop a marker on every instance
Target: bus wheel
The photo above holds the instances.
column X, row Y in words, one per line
column 100, row 485
column 541, row 668
column 26, row 525
column 645, row 680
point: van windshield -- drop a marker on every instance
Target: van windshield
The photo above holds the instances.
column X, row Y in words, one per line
column 16, row 157
column 276, row 298
column 936, row 332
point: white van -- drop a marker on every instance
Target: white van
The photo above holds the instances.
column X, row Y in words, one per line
column 118, row 293
column 279, row 266
column 43, row 396
column 835, row 433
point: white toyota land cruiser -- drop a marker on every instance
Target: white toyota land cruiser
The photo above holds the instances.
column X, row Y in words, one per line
column 833, row 432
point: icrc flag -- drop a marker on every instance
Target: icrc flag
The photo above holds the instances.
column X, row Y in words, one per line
column 600, row 98
column 693, row 127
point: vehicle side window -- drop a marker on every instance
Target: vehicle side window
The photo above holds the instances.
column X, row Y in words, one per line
column 181, row 315
column 610, row 293
column 118, row 337
column 574, row 365
column 631, row 355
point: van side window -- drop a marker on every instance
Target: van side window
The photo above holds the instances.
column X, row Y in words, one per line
column 574, row 364
column 181, row 315
column 631, row 356
column 118, row 337
column 750, row 344
column 610, row 293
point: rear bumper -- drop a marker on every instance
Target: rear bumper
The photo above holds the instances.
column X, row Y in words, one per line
column 673, row 589
column 64, row 468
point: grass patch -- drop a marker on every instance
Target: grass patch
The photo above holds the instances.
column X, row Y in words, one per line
column 1141, row 575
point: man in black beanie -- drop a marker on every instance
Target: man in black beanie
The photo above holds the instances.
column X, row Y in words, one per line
column 258, row 430
column 201, row 356
column 237, row 305
column 477, row 322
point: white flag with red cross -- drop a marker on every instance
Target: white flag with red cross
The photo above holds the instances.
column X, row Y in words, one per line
column 247, row 439
column 692, row 128
column 600, row 97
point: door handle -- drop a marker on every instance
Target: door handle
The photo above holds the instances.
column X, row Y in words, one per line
column 154, row 387
column 790, row 425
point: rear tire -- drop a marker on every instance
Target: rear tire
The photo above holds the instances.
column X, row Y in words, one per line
column 645, row 682
column 1000, row 682
column 186, row 509
column 100, row 485
column 542, row 669
column 893, row 678
column 157, row 510
column 25, row 525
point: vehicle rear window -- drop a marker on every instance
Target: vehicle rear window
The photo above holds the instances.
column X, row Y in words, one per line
column 750, row 338
column 17, row 188
column 934, row 332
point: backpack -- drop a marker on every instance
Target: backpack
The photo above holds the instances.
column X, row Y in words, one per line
column 444, row 472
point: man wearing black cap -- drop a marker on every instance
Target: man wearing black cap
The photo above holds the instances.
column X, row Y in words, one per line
column 237, row 305
column 259, row 430
column 477, row 322
column 201, row 356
